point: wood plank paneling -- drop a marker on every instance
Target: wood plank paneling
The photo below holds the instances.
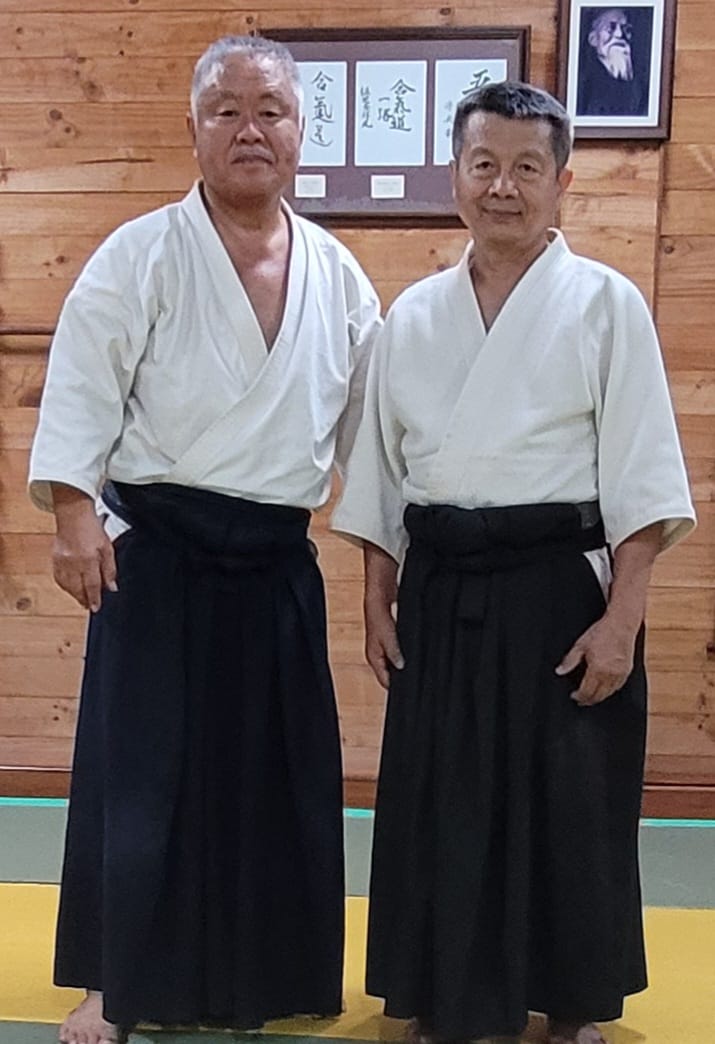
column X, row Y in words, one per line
column 37, row 594
column 693, row 121
column 92, row 106
column 95, row 126
column 127, row 34
column 30, row 716
column 28, row 675
column 696, row 29
column 43, row 752
column 686, row 345
column 76, row 78
column 41, row 168
column 690, row 167
column 688, row 213
column 72, row 213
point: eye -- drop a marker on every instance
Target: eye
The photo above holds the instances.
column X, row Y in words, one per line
column 226, row 110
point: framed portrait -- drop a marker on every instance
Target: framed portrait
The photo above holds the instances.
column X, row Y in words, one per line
column 379, row 106
column 615, row 70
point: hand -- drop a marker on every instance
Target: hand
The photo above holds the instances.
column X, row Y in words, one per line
column 83, row 560
column 606, row 649
column 382, row 648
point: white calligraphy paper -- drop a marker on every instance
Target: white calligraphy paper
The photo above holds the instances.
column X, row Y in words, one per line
column 390, row 114
column 325, row 107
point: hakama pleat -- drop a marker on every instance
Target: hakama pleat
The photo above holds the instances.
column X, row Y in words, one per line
column 505, row 870
column 203, row 875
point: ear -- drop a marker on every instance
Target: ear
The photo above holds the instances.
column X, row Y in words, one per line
column 453, row 163
column 565, row 178
column 191, row 127
column 593, row 38
column 302, row 129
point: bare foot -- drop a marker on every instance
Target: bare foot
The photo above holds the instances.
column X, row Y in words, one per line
column 87, row 1025
column 418, row 1032
column 499, row 1040
column 574, row 1033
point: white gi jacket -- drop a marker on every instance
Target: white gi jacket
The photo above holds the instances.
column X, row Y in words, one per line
column 159, row 371
column 563, row 399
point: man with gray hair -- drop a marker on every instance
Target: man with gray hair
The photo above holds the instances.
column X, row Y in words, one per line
column 206, row 374
column 518, row 458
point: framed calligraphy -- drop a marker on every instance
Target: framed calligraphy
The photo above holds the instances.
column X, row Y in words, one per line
column 378, row 108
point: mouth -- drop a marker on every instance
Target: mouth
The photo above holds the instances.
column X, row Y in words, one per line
column 251, row 157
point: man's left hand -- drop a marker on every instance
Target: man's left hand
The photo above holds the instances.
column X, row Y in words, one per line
column 606, row 649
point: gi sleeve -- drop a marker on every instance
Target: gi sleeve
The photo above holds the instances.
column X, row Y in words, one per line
column 364, row 323
column 100, row 338
column 372, row 504
column 641, row 471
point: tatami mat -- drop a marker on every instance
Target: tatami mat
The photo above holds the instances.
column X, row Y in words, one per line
column 677, row 1009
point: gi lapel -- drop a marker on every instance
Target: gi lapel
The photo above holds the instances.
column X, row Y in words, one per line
column 501, row 359
column 267, row 369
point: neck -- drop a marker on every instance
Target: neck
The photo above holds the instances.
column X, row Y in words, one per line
column 503, row 263
column 248, row 217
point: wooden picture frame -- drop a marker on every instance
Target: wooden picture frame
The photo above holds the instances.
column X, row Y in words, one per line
column 378, row 106
column 615, row 67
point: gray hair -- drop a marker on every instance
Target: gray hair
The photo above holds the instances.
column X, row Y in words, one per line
column 516, row 101
column 212, row 63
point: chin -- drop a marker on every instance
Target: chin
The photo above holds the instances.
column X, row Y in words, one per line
column 503, row 229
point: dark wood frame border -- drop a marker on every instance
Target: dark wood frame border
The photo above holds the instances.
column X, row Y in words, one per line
column 661, row 130
column 342, row 44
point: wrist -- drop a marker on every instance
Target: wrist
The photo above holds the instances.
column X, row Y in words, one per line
column 626, row 619
column 64, row 496
column 71, row 505
column 379, row 597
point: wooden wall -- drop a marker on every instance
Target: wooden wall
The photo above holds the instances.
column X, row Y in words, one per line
column 92, row 102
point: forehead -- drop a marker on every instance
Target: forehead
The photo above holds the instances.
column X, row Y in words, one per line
column 247, row 74
column 606, row 18
column 487, row 130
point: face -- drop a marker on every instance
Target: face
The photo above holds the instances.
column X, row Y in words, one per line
column 247, row 130
column 506, row 185
column 610, row 35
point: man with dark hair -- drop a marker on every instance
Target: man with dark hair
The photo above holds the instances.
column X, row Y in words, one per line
column 609, row 83
column 517, row 433
column 206, row 373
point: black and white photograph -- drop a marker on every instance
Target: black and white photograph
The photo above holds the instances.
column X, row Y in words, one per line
column 615, row 70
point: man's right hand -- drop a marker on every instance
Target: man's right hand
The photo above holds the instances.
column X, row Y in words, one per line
column 82, row 557
column 382, row 648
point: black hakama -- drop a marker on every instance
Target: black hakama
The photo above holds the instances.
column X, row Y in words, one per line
column 203, row 874
column 505, row 869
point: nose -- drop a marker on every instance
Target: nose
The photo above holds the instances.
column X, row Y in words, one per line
column 617, row 30
column 249, row 130
column 503, row 185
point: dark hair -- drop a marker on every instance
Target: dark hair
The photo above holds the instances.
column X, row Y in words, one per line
column 516, row 101
column 258, row 47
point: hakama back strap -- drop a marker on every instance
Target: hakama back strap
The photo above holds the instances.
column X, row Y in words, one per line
column 505, row 863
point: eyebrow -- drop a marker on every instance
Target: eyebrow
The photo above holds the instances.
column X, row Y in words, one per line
column 226, row 92
column 477, row 149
